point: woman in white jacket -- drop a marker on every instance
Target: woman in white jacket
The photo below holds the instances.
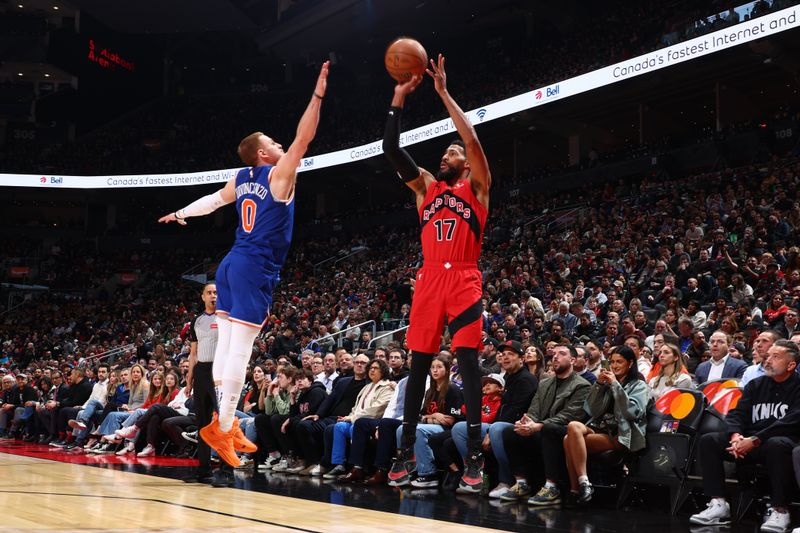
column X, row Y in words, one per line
column 370, row 402
column 671, row 375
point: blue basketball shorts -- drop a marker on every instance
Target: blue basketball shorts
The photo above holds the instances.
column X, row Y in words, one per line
column 244, row 290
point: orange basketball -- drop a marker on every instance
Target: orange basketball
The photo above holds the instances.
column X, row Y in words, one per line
column 404, row 58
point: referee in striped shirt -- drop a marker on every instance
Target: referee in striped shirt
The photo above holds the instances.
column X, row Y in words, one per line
column 203, row 338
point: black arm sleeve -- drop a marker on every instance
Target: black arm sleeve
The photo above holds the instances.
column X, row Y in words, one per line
column 399, row 158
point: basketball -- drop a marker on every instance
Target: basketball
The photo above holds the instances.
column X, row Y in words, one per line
column 404, row 58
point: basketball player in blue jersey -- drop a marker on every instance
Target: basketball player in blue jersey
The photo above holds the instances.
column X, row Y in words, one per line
column 246, row 277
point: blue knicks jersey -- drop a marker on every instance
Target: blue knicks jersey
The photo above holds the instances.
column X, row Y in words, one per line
column 265, row 224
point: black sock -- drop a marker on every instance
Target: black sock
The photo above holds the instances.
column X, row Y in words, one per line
column 471, row 384
column 415, row 391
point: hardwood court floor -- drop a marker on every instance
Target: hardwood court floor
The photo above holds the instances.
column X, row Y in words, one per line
column 43, row 495
column 46, row 489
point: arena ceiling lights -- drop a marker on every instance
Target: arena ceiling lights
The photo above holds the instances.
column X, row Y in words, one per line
column 711, row 43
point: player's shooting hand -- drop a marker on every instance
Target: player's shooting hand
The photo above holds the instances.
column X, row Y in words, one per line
column 322, row 80
column 166, row 219
column 437, row 73
column 407, row 87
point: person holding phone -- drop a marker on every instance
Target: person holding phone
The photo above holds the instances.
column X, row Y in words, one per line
column 617, row 403
column 534, row 443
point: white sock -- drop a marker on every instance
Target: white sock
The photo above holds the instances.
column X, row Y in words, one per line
column 220, row 354
column 239, row 352
column 549, row 484
column 583, row 479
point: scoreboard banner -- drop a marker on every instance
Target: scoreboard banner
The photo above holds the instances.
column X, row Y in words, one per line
column 711, row 43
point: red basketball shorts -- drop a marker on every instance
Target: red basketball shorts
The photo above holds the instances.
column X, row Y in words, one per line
column 446, row 293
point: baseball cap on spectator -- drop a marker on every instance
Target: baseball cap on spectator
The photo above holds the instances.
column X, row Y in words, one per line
column 497, row 378
column 514, row 346
column 756, row 323
column 740, row 347
column 491, row 340
column 584, row 339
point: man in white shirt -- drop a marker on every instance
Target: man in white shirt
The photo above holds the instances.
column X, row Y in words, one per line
column 721, row 365
column 329, row 374
column 761, row 346
column 97, row 401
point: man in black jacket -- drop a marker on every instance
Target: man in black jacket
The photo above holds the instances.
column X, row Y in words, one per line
column 520, row 386
column 79, row 391
column 25, row 398
column 763, row 429
column 311, row 430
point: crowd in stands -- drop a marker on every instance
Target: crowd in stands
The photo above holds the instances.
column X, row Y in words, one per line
column 647, row 288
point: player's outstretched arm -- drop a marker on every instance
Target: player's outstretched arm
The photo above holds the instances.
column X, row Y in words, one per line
column 283, row 177
column 203, row 206
column 479, row 167
column 415, row 177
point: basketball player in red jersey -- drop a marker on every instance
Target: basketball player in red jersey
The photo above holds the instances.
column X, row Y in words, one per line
column 453, row 207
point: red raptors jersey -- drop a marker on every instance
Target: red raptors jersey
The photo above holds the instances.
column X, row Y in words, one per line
column 451, row 223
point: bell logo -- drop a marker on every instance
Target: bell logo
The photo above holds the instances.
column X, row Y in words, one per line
column 56, row 180
column 552, row 91
column 538, row 95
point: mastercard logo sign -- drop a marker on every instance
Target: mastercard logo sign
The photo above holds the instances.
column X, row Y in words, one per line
column 677, row 404
column 712, row 389
column 727, row 400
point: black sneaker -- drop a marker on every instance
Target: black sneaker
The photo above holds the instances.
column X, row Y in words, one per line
column 205, row 477
column 223, row 478
column 106, row 449
column 72, row 446
column 472, row 479
column 45, row 440
column 183, row 453
column 403, row 465
column 57, row 444
column 451, row 481
column 426, row 482
column 585, row 493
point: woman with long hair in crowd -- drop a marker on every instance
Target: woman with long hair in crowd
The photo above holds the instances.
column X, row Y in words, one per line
column 441, row 409
column 773, row 313
column 157, row 394
column 277, row 403
column 617, row 404
column 672, row 374
column 138, row 392
column 371, row 402
column 171, row 387
column 534, row 360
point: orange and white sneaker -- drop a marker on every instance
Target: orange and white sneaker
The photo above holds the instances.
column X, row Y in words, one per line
column 240, row 442
column 220, row 441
